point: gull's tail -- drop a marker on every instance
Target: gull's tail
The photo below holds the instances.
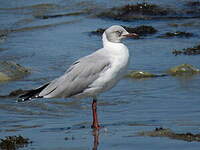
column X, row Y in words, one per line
column 31, row 94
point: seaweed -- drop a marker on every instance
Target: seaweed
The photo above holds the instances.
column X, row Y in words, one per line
column 142, row 75
column 3, row 33
column 142, row 30
column 184, row 69
column 188, row 51
column 177, row 34
column 137, row 11
column 14, row 142
column 147, row 11
column 162, row 132
column 12, row 71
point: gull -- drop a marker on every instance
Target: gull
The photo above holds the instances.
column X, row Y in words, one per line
column 90, row 75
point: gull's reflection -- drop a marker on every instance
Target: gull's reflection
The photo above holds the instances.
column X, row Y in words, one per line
column 96, row 139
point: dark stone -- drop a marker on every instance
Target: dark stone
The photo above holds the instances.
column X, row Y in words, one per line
column 98, row 31
column 143, row 75
column 14, row 142
column 140, row 30
column 188, row 51
column 159, row 129
column 4, row 33
column 143, row 8
column 66, row 138
column 137, row 11
column 145, row 11
column 69, row 138
column 162, row 132
column 68, row 128
column 177, row 34
column 184, row 69
column 83, row 126
column 12, row 71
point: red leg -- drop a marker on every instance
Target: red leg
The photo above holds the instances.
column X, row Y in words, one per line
column 95, row 123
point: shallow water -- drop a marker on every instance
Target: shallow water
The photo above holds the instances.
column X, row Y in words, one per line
column 49, row 46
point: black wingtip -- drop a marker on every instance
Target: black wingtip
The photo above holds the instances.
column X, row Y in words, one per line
column 32, row 94
column 26, row 97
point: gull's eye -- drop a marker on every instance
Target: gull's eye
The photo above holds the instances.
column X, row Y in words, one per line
column 119, row 33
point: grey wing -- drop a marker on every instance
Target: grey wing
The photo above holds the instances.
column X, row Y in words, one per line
column 78, row 77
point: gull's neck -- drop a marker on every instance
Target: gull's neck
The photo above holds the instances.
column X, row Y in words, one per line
column 118, row 53
column 107, row 43
column 116, row 49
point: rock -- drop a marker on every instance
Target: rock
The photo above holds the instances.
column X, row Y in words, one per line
column 140, row 30
column 69, row 138
column 138, row 11
column 11, row 71
column 145, row 11
column 14, row 142
column 3, row 33
column 99, row 31
column 161, row 132
column 184, row 69
column 188, row 51
column 142, row 74
column 4, row 77
column 177, row 34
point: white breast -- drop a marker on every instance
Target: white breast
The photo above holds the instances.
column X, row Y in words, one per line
column 119, row 56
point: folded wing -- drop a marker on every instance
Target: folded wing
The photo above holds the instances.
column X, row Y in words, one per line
column 78, row 77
